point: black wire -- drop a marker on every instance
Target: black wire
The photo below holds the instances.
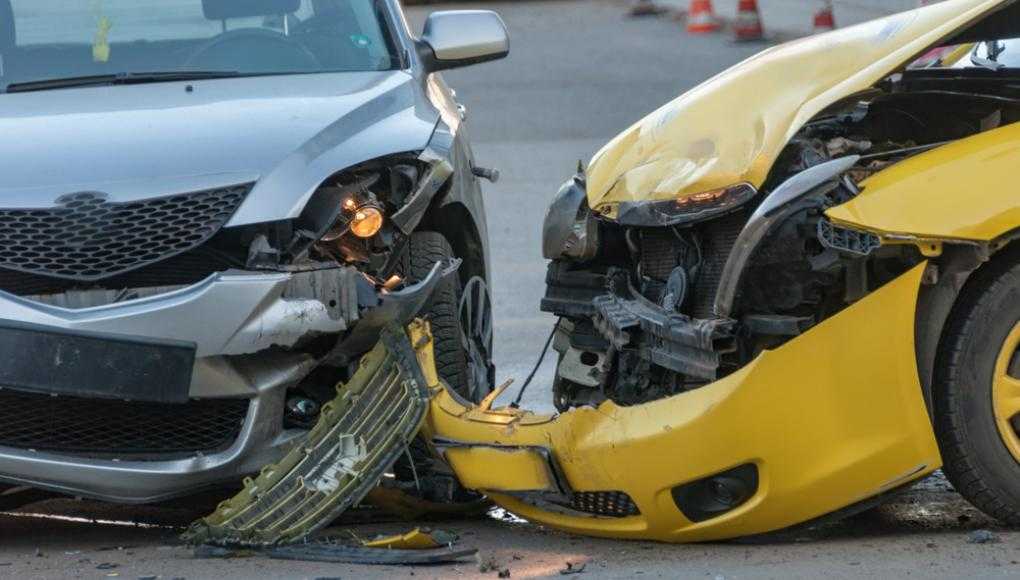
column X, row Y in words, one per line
column 545, row 349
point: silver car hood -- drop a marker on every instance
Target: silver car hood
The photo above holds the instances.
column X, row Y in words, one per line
column 141, row 141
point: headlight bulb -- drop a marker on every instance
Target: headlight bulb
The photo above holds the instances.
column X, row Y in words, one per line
column 366, row 222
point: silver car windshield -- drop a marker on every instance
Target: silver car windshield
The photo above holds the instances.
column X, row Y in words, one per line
column 47, row 40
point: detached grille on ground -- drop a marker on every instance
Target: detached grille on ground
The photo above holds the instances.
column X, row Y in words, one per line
column 104, row 428
column 87, row 238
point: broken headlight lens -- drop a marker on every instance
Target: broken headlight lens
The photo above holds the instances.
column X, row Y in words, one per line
column 685, row 209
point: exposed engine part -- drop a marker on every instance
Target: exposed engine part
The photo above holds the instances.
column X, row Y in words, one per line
column 846, row 240
column 675, row 342
column 584, row 368
column 775, row 209
column 301, row 412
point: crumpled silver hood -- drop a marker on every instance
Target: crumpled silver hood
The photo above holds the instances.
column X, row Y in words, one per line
column 289, row 133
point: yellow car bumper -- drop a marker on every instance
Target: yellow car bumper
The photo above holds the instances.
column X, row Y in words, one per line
column 826, row 421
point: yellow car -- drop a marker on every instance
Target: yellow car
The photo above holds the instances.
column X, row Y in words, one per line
column 782, row 296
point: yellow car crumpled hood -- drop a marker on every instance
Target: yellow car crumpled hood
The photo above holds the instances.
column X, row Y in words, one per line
column 830, row 419
column 732, row 128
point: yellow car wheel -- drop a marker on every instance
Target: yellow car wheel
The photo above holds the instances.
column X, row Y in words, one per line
column 1006, row 393
column 977, row 391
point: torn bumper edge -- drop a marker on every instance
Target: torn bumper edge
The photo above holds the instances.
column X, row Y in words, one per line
column 832, row 418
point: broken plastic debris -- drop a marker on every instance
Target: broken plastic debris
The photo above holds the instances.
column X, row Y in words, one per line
column 339, row 554
column 573, row 568
column 416, row 539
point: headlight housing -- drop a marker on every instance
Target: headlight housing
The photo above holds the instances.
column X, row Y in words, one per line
column 570, row 229
column 686, row 209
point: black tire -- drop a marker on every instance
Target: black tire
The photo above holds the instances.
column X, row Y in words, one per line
column 977, row 457
column 442, row 311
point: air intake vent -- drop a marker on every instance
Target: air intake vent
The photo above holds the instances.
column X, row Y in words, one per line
column 104, row 428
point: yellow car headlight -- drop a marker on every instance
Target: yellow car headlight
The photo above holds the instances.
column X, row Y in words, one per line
column 686, row 208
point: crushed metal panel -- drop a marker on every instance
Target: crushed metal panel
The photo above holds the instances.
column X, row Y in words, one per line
column 358, row 437
column 683, row 148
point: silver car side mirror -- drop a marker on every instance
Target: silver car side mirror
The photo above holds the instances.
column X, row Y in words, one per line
column 456, row 38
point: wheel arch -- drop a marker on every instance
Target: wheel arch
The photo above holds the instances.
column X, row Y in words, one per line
column 960, row 268
column 455, row 221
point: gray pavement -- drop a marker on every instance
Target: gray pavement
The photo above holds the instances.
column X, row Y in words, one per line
column 579, row 74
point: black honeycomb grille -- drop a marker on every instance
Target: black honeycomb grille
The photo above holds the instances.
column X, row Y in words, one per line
column 610, row 504
column 87, row 238
column 104, row 428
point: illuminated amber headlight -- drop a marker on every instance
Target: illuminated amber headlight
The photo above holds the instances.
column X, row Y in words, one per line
column 366, row 222
column 686, row 208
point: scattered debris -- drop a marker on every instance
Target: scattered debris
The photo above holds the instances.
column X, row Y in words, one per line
column 206, row 552
column 489, row 564
column 416, row 539
column 983, row 537
column 341, row 554
column 504, row 573
column 107, row 566
column 573, row 568
column 39, row 554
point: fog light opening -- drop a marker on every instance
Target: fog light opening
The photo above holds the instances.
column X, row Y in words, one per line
column 717, row 494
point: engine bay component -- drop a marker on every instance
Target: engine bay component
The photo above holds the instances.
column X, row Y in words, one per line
column 776, row 207
column 359, row 435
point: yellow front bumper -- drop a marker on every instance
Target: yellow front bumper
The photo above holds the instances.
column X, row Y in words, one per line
column 830, row 419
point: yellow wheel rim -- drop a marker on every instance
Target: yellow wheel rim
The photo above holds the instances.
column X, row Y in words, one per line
column 1006, row 394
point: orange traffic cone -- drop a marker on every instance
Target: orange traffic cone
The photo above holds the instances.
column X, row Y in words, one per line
column 824, row 20
column 748, row 26
column 701, row 18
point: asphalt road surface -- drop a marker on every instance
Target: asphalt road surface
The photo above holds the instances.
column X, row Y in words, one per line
column 579, row 74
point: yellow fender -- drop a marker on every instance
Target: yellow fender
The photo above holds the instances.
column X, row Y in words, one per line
column 828, row 420
column 961, row 191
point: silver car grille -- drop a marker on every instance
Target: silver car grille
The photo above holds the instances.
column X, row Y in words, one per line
column 87, row 238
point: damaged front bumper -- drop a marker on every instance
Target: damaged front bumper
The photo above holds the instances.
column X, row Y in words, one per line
column 244, row 329
column 825, row 422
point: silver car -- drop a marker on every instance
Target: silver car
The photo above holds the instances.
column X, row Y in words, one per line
column 208, row 211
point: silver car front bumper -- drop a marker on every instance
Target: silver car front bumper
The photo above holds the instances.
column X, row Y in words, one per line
column 227, row 316
column 235, row 319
